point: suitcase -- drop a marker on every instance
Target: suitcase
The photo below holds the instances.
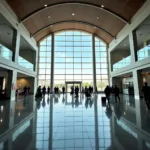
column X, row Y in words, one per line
column 103, row 99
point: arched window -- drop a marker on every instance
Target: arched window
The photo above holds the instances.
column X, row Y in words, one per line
column 73, row 60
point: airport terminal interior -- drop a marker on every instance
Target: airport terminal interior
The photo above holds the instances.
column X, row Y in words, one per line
column 65, row 44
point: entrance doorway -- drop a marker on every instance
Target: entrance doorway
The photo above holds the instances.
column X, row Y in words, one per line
column 73, row 83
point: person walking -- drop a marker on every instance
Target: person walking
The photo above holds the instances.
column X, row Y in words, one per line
column 116, row 92
column 107, row 92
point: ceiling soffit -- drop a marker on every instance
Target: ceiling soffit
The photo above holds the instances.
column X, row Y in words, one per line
column 112, row 17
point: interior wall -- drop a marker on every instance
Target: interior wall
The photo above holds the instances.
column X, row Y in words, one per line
column 118, row 55
column 25, row 81
column 27, row 54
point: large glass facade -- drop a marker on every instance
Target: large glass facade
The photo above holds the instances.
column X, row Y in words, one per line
column 45, row 62
column 101, row 64
column 73, row 59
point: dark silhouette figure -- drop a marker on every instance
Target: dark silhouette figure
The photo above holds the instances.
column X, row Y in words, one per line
column 44, row 91
column 107, row 92
column 77, row 91
column 116, row 92
column 63, row 90
column 146, row 90
column 86, row 90
column 90, row 89
column 48, row 90
column 38, row 93
column 25, row 90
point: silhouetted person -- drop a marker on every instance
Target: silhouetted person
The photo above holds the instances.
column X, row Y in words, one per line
column 28, row 89
column 77, row 91
column 44, row 91
column 48, row 90
column 86, row 90
column 90, row 89
column 107, row 93
column 146, row 90
column 63, row 89
column 38, row 93
column 55, row 90
column 25, row 90
column 82, row 89
column 116, row 92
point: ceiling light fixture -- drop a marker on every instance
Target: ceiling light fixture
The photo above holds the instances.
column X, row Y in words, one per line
column 102, row 6
column 51, row 25
column 73, row 14
column 48, row 17
column 125, row 45
column 45, row 5
column 95, row 27
column 98, row 18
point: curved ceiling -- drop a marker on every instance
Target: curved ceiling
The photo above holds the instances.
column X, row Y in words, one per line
column 42, row 17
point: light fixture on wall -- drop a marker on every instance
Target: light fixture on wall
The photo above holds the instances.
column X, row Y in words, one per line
column 45, row 5
column 73, row 14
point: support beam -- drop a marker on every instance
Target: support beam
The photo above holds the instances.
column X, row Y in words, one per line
column 16, row 45
column 94, row 64
column 73, row 21
column 133, row 46
column 75, row 3
column 52, row 64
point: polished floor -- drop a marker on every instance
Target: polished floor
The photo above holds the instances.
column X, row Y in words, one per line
column 63, row 122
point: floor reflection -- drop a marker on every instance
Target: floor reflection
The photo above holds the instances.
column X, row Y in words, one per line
column 65, row 122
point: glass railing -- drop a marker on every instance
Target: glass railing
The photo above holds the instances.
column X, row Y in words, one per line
column 5, row 52
column 122, row 63
column 25, row 63
column 144, row 52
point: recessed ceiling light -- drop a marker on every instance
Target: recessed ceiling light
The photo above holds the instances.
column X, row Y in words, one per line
column 95, row 27
column 51, row 25
column 48, row 17
column 73, row 14
column 102, row 6
column 45, row 5
column 97, row 18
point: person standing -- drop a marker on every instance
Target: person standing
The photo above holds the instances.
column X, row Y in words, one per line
column 116, row 92
column 28, row 88
column 63, row 89
column 107, row 92
column 44, row 91
column 48, row 90
column 146, row 90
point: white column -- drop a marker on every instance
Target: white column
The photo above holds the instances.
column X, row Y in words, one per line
column 133, row 44
column 13, row 85
column 94, row 63
column 52, row 64
column 16, row 45
column 137, row 97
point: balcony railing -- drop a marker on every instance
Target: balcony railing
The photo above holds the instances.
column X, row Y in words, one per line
column 25, row 63
column 144, row 52
column 5, row 52
column 123, row 63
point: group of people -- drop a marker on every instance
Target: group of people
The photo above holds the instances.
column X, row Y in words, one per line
column 42, row 91
column 112, row 90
